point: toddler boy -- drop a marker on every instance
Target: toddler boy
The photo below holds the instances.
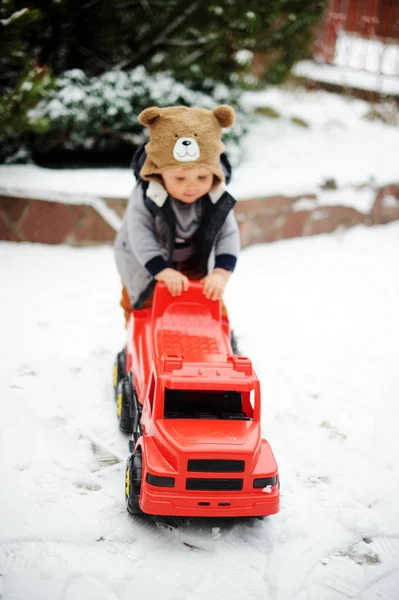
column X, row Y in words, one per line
column 179, row 223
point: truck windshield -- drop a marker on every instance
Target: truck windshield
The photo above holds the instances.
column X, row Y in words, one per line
column 204, row 404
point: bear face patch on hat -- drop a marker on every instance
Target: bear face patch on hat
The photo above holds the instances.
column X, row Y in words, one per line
column 186, row 149
column 183, row 136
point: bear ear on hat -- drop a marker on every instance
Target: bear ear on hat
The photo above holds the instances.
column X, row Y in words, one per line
column 225, row 115
column 148, row 115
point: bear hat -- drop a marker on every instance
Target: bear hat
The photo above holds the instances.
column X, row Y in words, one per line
column 182, row 136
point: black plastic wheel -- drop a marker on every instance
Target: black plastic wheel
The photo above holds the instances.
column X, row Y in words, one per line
column 125, row 405
column 234, row 343
column 119, row 370
column 133, row 483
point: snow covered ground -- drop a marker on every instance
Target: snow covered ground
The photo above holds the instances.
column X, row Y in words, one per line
column 319, row 318
column 279, row 156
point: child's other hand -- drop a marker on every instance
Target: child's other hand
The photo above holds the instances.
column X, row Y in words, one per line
column 175, row 281
column 215, row 283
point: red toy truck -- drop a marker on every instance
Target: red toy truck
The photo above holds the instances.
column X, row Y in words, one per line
column 193, row 409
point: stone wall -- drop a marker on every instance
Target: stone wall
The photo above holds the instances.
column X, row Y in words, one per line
column 260, row 219
column 34, row 220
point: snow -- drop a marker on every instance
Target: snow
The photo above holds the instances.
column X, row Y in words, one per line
column 366, row 64
column 66, row 185
column 347, row 77
column 319, row 318
column 367, row 54
column 16, row 15
column 362, row 199
column 279, row 156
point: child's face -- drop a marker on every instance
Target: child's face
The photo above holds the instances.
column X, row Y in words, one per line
column 187, row 185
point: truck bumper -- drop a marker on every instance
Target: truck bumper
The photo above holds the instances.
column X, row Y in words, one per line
column 205, row 504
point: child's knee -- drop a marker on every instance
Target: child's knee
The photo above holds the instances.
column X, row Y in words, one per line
column 125, row 303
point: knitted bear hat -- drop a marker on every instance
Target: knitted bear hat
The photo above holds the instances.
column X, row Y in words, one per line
column 184, row 137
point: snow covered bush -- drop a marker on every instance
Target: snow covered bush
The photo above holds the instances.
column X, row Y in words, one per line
column 99, row 114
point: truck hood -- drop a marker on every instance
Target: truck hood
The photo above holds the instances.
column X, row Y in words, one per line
column 188, row 433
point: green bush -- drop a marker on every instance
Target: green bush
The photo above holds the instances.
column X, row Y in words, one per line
column 23, row 83
column 16, row 114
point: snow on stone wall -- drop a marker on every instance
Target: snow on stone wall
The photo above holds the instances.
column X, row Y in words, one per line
column 95, row 221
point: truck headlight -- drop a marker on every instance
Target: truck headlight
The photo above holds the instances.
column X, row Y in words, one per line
column 160, row 481
column 265, row 481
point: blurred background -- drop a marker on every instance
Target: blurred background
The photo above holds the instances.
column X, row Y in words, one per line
column 315, row 84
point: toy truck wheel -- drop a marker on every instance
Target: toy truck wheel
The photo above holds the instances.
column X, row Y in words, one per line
column 234, row 343
column 124, row 405
column 119, row 370
column 133, row 483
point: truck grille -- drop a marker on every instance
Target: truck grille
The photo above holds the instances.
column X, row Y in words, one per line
column 216, row 466
column 217, row 485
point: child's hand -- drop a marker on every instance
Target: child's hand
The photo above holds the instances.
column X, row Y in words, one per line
column 175, row 281
column 215, row 282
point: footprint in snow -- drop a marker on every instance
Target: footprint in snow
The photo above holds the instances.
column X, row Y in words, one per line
column 100, row 351
column 103, row 456
column 312, row 480
column 366, row 570
column 385, row 588
column 86, row 586
column 75, row 370
column 91, row 487
column 335, row 434
column 26, row 370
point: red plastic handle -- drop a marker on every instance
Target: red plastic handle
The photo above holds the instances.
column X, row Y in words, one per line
column 194, row 295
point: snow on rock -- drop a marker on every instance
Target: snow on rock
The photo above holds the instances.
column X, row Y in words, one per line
column 319, row 318
column 369, row 55
column 346, row 76
column 65, row 185
column 390, row 201
column 361, row 198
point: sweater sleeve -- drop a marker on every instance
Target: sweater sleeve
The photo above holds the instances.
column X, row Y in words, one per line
column 141, row 233
column 227, row 245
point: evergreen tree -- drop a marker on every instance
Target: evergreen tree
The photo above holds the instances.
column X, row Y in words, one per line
column 23, row 83
column 13, row 49
column 194, row 39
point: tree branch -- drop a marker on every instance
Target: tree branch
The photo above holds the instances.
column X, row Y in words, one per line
column 130, row 138
column 189, row 43
column 147, row 9
column 193, row 57
column 281, row 23
column 161, row 37
column 89, row 4
column 99, row 62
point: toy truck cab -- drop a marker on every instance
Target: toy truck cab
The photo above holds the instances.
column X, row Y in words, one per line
column 195, row 410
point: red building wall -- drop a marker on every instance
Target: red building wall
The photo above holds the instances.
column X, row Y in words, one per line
column 376, row 19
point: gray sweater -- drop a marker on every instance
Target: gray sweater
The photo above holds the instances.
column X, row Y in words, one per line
column 155, row 228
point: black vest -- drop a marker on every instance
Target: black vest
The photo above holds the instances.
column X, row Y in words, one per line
column 213, row 218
